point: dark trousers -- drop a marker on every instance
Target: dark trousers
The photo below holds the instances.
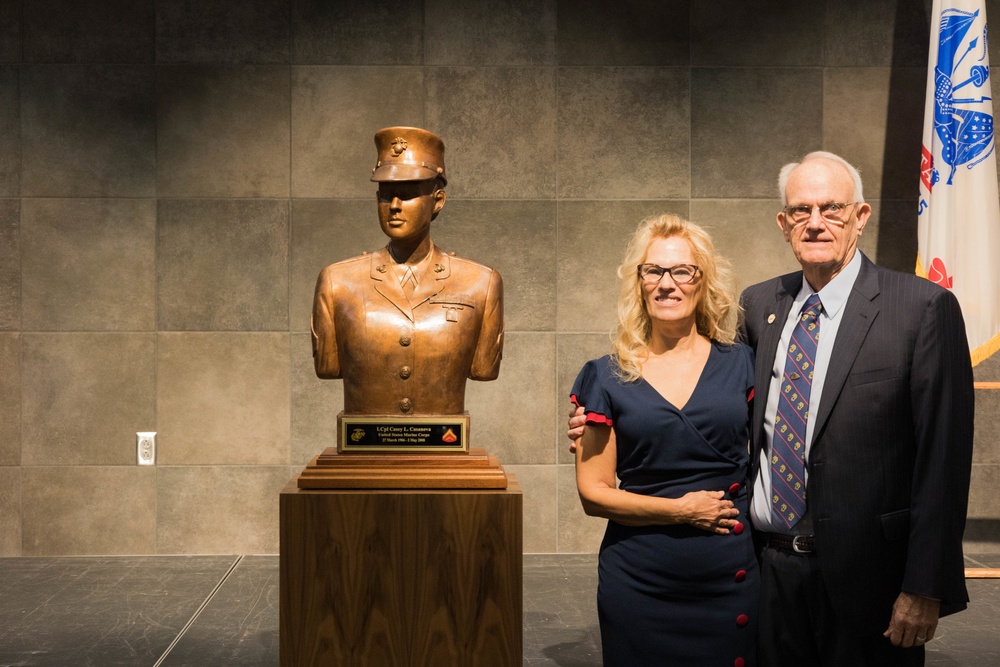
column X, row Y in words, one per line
column 799, row 628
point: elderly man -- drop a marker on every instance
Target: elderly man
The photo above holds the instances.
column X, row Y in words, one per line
column 407, row 325
column 862, row 439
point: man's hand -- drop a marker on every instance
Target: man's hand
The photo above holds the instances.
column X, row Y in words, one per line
column 914, row 619
column 577, row 423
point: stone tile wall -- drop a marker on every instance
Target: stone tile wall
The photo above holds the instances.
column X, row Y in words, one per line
column 174, row 175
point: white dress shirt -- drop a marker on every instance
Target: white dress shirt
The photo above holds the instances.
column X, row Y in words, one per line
column 833, row 297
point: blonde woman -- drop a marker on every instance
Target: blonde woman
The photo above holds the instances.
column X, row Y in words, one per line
column 667, row 414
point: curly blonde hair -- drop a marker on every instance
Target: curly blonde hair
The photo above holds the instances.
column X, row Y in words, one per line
column 717, row 313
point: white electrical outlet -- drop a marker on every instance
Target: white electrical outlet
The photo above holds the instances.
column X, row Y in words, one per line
column 145, row 448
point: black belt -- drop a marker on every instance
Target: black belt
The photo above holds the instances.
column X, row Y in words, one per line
column 800, row 544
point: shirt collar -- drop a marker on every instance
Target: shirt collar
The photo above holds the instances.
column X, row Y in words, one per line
column 834, row 294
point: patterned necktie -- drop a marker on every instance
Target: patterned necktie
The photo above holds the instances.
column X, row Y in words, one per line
column 788, row 482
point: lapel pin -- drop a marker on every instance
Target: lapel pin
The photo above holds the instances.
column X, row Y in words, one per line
column 770, row 318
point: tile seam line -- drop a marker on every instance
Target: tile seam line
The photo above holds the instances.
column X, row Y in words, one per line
column 198, row 611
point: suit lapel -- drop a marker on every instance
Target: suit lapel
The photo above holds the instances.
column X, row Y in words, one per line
column 386, row 283
column 767, row 344
column 860, row 312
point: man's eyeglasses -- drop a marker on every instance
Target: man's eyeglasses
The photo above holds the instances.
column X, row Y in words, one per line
column 833, row 211
column 651, row 274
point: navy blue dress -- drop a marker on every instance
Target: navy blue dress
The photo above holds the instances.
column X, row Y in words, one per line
column 677, row 595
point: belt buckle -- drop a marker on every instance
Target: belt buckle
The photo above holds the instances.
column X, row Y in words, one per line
column 795, row 545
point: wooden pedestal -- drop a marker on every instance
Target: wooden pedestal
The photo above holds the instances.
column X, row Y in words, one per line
column 400, row 577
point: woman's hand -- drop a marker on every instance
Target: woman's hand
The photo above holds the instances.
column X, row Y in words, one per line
column 709, row 511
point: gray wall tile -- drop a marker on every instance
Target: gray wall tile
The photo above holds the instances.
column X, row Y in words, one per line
column 88, row 31
column 876, row 32
column 481, row 32
column 889, row 239
column 243, row 514
column 630, row 32
column 335, row 115
column 779, row 33
column 512, row 415
column 873, row 118
column 76, row 510
column 547, row 135
column 983, row 500
column 578, row 533
column 10, row 401
column 84, row 396
column 88, row 130
column 592, row 236
column 223, row 398
column 746, row 232
column 355, row 33
column 222, row 131
column 10, row 511
column 624, row 133
column 10, row 265
column 499, row 127
column 515, row 238
column 987, row 444
column 10, row 132
column 325, row 232
column 572, row 352
column 988, row 370
column 221, row 31
column 88, row 264
column 222, row 264
column 10, row 32
column 747, row 123
column 539, row 494
column 314, row 407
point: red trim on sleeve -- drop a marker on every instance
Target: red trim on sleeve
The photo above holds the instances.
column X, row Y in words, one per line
column 592, row 417
column 597, row 418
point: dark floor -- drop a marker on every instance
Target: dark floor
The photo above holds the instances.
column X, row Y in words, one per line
column 223, row 610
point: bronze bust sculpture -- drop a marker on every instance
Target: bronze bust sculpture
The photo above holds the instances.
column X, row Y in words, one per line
column 407, row 325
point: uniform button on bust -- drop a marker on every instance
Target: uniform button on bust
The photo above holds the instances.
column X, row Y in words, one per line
column 734, row 487
column 405, row 405
column 742, row 620
column 741, row 576
column 739, row 662
column 405, row 372
column 738, row 528
column 404, row 340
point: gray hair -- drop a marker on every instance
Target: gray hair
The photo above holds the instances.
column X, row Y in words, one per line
column 851, row 169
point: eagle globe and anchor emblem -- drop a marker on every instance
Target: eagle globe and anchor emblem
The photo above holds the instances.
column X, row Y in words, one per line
column 964, row 125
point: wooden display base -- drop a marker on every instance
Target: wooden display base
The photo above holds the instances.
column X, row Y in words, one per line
column 401, row 578
column 355, row 470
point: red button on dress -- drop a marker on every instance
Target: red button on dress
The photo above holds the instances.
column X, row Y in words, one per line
column 739, row 662
column 742, row 620
column 734, row 487
column 738, row 528
column 741, row 575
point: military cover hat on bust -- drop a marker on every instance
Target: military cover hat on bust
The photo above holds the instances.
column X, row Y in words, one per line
column 408, row 154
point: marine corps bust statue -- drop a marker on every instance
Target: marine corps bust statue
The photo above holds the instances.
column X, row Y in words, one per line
column 407, row 325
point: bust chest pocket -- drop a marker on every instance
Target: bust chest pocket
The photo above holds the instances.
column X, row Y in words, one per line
column 456, row 308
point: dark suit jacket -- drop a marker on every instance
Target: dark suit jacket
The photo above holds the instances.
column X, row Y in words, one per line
column 892, row 449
